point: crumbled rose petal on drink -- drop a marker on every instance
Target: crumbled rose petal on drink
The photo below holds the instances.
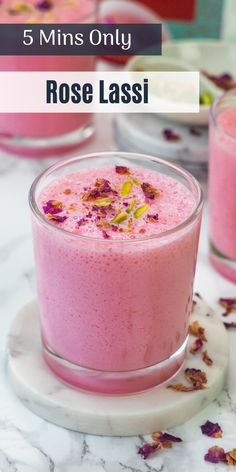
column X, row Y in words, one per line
column 117, row 203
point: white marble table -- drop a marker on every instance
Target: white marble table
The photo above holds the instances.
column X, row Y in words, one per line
column 29, row 444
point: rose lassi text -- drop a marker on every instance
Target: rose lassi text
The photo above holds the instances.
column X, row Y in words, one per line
column 111, row 93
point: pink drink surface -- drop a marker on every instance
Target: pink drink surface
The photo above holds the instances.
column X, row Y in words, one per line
column 60, row 11
column 117, row 302
column 222, row 187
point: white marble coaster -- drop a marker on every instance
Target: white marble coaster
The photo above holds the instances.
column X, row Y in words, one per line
column 156, row 409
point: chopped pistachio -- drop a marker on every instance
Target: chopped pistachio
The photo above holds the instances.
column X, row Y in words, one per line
column 140, row 211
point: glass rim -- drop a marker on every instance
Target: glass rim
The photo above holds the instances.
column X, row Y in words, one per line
column 213, row 115
column 63, row 163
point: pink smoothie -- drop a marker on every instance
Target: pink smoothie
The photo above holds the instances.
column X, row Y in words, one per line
column 45, row 11
column 222, row 185
column 114, row 295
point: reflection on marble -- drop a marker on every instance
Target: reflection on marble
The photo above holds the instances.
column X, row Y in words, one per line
column 30, row 444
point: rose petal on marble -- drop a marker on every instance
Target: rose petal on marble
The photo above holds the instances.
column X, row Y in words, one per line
column 195, row 376
column 170, row 135
column 230, row 325
column 195, row 131
column 196, row 346
column 196, row 330
column 185, row 388
column 229, row 304
column 105, row 235
column 231, row 457
column 205, row 357
column 212, row 430
column 215, row 454
column 147, row 449
column 162, row 437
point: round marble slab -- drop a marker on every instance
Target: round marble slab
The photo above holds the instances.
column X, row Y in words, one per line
column 156, row 409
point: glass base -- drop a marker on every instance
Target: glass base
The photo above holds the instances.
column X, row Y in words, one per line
column 115, row 383
column 47, row 147
column 223, row 264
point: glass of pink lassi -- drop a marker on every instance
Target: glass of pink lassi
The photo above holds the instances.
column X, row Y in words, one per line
column 222, row 185
column 116, row 238
column 40, row 134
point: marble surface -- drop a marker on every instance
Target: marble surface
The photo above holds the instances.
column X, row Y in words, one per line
column 28, row 443
column 156, row 409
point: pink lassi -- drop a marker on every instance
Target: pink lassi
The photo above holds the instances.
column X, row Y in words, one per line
column 115, row 268
column 53, row 125
column 222, row 190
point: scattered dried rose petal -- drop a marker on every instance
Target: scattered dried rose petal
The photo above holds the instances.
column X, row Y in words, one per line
column 196, row 330
column 147, row 449
column 67, row 191
column 231, row 457
column 57, row 218
column 231, row 325
column 208, row 361
column 162, row 437
column 229, row 304
column 52, row 207
column 153, row 218
column 105, row 235
column 185, row 388
column 195, row 376
column 81, row 222
column 215, row 454
column 196, row 346
column 44, row 5
column 170, row 135
column 195, row 131
column 149, row 191
column 122, row 170
column 212, row 430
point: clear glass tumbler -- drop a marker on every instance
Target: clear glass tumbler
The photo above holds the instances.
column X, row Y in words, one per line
column 114, row 313
column 222, row 185
column 48, row 134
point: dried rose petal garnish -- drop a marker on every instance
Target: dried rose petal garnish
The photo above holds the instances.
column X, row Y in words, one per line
column 229, row 304
column 122, row 170
column 195, row 376
column 52, row 207
column 149, row 191
column 196, row 346
column 231, row 457
column 215, row 455
column 212, row 430
column 153, row 218
column 162, row 437
column 195, row 131
column 208, row 361
column 57, row 218
column 44, row 5
column 161, row 441
column 230, row 325
column 170, row 135
column 147, row 449
column 185, row 388
column 196, row 330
